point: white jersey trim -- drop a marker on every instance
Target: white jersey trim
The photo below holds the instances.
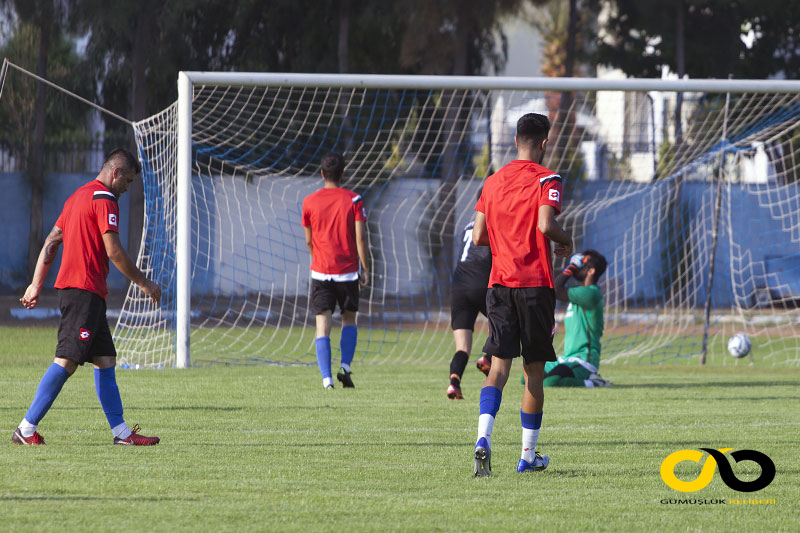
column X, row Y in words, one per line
column 350, row 276
column 104, row 194
column 588, row 366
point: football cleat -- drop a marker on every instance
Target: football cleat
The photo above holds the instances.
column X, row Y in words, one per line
column 134, row 439
column 483, row 459
column 33, row 440
column 344, row 376
column 328, row 387
column 539, row 463
column 454, row 393
column 484, row 364
column 598, row 381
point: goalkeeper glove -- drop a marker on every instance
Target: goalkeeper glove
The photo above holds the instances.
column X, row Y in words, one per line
column 576, row 263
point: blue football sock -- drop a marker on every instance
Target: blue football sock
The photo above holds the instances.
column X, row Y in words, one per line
column 105, row 383
column 531, row 423
column 489, row 404
column 348, row 345
column 323, row 348
column 49, row 387
column 530, row 420
column 490, row 400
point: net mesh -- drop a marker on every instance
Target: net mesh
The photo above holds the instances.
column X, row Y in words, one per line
column 640, row 187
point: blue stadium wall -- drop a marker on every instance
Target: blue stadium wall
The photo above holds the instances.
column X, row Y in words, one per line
column 15, row 202
column 756, row 225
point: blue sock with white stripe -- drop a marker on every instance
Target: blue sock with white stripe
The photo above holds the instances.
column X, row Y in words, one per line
column 489, row 405
column 323, row 349
column 50, row 385
column 531, row 423
column 348, row 345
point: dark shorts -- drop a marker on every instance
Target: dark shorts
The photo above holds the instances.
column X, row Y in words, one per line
column 83, row 332
column 465, row 304
column 523, row 317
column 326, row 294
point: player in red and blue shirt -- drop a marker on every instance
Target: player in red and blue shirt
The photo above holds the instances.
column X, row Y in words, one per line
column 89, row 229
column 516, row 217
column 334, row 221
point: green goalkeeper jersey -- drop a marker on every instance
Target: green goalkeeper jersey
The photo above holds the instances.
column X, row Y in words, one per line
column 583, row 324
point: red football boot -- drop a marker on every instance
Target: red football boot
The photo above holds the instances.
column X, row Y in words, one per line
column 484, row 364
column 33, row 440
column 134, row 439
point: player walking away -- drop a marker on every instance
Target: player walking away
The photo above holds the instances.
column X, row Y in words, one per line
column 516, row 218
column 334, row 223
column 583, row 324
column 89, row 228
column 468, row 298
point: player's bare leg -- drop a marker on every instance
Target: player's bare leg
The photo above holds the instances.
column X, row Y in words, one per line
column 498, row 374
column 531, row 417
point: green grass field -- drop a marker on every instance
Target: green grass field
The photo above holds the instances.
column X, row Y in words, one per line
column 265, row 448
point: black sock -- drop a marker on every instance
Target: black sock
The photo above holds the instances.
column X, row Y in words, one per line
column 457, row 366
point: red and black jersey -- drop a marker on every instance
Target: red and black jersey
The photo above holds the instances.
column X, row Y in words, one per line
column 332, row 214
column 90, row 212
column 510, row 200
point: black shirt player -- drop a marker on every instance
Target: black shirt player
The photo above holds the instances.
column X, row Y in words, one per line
column 470, row 281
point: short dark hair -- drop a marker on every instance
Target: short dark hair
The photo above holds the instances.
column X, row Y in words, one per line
column 596, row 261
column 333, row 167
column 532, row 128
column 122, row 158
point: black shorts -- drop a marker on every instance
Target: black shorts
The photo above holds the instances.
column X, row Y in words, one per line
column 465, row 304
column 83, row 333
column 326, row 294
column 524, row 317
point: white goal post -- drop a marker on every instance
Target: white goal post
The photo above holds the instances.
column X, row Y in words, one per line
column 231, row 82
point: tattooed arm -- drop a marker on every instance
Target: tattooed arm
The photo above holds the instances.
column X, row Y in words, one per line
column 46, row 258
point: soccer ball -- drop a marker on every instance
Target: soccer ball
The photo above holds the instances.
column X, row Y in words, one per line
column 739, row 345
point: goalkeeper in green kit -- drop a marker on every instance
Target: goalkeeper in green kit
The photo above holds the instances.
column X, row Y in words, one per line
column 583, row 324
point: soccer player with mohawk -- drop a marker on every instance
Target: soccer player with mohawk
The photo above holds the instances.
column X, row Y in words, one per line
column 516, row 217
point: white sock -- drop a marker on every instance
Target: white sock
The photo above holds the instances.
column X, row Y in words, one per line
column 26, row 428
column 121, row 431
column 589, row 383
column 529, row 439
column 326, row 382
column 485, row 426
column 346, row 367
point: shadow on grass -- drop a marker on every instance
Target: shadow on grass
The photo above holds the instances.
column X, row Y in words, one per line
column 88, row 499
column 707, row 384
column 135, row 408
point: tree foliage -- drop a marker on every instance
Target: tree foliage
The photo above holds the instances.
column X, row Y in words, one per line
column 639, row 37
column 66, row 117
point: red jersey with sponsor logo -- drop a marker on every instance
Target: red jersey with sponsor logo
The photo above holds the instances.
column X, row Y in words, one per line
column 510, row 200
column 90, row 212
column 332, row 216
